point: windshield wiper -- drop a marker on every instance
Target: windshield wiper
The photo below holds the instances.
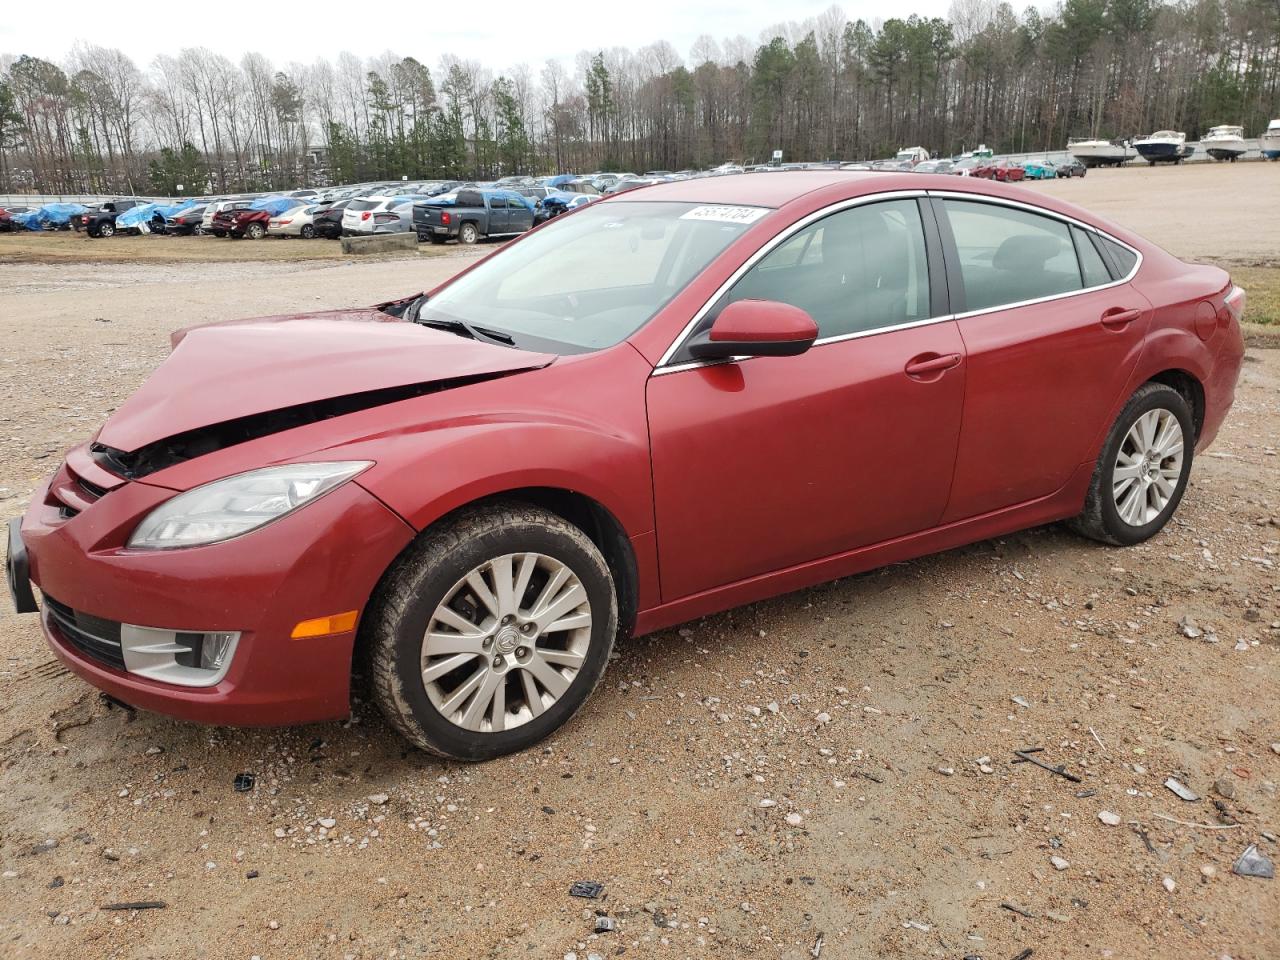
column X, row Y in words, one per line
column 467, row 330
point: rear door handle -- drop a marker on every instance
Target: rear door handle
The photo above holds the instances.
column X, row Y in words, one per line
column 929, row 366
column 1117, row 318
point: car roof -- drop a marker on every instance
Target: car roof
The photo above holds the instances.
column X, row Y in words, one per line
column 754, row 189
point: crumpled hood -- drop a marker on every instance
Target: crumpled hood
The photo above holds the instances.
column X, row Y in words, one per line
column 225, row 372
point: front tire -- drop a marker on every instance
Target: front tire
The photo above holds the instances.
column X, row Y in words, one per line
column 1142, row 470
column 491, row 631
column 308, row 231
column 255, row 231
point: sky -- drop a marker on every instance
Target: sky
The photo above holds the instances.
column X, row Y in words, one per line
column 499, row 33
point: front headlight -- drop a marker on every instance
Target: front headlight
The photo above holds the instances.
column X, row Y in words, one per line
column 235, row 505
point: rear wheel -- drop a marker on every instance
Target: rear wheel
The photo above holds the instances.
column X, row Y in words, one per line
column 1143, row 469
column 491, row 631
column 106, row 229
column 255, row 231
column 468, row 234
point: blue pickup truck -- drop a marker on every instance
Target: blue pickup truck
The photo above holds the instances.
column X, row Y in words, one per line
column 471, row 214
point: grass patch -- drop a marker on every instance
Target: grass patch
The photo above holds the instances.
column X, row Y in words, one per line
column 1262, row 284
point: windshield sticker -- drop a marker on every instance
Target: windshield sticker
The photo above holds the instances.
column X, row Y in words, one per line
column 723, row 214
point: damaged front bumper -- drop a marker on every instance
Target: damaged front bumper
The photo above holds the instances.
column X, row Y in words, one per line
column 116, row 616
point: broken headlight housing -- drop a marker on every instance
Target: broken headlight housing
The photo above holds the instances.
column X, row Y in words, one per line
column 235, row 505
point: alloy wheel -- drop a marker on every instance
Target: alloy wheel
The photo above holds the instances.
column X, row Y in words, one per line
column 506, row 642
column 1148, row 467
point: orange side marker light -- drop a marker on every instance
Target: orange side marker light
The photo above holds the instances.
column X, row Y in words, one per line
column 324, row 626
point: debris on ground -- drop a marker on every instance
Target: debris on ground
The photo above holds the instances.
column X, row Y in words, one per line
column 1015, row 908
column 587, row 889
column 243, row 782
column 1181, row 789
column 1024, row 756
column 1254, row 863
column 136, row 905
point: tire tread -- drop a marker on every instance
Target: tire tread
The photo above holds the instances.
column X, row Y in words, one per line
column 406, row 578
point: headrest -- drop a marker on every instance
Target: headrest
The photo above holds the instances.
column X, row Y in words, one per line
column 1030, row 251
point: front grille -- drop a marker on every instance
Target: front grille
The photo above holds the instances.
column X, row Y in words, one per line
column 72, row 493
column 95, row 637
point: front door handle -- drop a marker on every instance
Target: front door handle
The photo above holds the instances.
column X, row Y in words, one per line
column 930, row 366
column 1117, row 318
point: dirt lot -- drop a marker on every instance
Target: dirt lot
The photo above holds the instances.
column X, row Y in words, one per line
column 824, row 775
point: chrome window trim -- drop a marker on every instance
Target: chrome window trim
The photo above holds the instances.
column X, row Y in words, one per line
column 664, row 366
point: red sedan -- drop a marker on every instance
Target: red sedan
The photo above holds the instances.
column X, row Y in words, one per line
column 674, row 401
column 1007, row 171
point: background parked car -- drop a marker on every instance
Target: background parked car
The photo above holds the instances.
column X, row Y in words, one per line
column 1042, row 169
column 933, row 166
column 473, row 214
column 966, row 167
column 187, row 222
column 327, row 220
column 294, row 222
column 1007, row 171
column 102, row 222
column 219, row 206
column 6, row 217
column 1071, row 167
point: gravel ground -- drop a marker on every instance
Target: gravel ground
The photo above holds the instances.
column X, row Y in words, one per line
column 828, row 774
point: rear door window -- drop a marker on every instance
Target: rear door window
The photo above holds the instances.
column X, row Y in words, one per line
column 1008, row 255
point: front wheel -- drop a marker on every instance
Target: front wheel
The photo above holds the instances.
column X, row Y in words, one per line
column 308, row 231
column 1143, row 469
column 255, row 231
column 491, row 631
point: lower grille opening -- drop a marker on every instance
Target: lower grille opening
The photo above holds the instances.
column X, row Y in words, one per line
column 95, row 637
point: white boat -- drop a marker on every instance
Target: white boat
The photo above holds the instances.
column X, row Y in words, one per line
column 1224, row 143
column 1095, row 152
column 1164, row 146
column 1269, row 142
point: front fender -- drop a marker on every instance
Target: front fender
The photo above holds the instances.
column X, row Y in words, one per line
column 423, row 476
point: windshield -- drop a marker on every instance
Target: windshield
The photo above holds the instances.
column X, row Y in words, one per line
column 592, row 279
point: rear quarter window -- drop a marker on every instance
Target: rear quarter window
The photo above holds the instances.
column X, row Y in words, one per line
column 1124, row 258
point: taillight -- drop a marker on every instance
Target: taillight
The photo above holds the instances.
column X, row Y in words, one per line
column 365, row 215
column 445, row 218
column 1235, row 303
column 281, row 223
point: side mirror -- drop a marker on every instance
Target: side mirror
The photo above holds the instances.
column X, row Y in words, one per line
column 756, row 328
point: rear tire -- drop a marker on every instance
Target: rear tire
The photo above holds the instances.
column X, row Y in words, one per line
column 468, row 234
column 1142, row 470
column 427, row 614
column 106, row 229
column 255, row 231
